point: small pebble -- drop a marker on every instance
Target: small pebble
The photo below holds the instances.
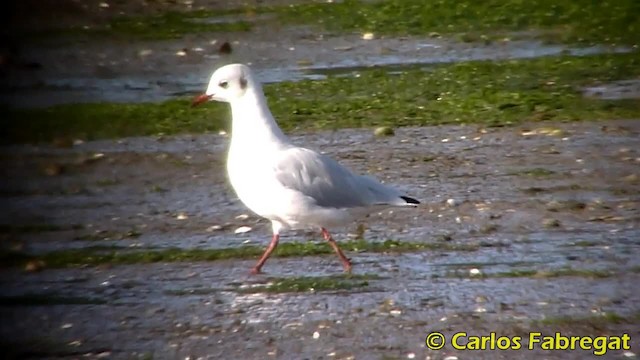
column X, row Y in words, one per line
column 316, row 335
column 242, row 230
column 225, row 48
column 384, row 131
column 452, row 202
column 368, row 36
column 182, row 216
column 213, row 228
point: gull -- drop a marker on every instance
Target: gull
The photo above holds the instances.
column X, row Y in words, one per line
column 292, row 186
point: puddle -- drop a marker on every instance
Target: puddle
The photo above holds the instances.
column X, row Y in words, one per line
column 627, row 89
column 397, row 63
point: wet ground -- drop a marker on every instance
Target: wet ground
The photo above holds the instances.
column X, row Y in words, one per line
column 559, row 199
column 546, row 216
column 111, row 70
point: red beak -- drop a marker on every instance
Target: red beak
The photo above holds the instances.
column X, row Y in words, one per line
column 200, row 99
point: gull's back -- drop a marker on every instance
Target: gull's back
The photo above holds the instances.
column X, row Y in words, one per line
column 330, row 184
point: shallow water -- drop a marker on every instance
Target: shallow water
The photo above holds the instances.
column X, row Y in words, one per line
column 153, row 71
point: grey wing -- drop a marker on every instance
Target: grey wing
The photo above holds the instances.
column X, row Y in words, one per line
column 328, row 183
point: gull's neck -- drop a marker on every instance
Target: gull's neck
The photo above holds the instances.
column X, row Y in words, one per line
column 253, row 124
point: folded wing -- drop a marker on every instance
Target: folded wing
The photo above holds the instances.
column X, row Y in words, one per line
column 330, row 184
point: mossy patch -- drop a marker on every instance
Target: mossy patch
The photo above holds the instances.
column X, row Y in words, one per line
column 587, row 243
column 106, row 120
column 589, row 273
column 192, row 291
column 173, row 25
column 578, row 21
column 575, row 21
column 583, row 21
column 97, row 255
column 168, row 25
column 475, row 92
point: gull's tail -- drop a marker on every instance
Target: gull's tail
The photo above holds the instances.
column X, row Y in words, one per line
column 382, row 194
column 410, row 200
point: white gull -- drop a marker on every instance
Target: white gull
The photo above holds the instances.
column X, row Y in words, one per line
column 293, row 187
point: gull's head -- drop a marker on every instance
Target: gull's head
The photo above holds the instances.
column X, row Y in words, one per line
column 227, row 84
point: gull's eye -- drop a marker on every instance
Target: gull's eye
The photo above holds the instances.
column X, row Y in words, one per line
column 223, row 84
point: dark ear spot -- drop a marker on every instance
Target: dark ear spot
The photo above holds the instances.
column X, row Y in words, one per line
column 243, row 83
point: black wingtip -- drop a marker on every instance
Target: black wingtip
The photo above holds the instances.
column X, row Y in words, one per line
column 410, row 200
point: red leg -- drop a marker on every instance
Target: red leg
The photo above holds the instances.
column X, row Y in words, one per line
column 346, row 263
column 272, row 246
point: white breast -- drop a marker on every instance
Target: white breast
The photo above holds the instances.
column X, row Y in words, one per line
column 251, row 173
